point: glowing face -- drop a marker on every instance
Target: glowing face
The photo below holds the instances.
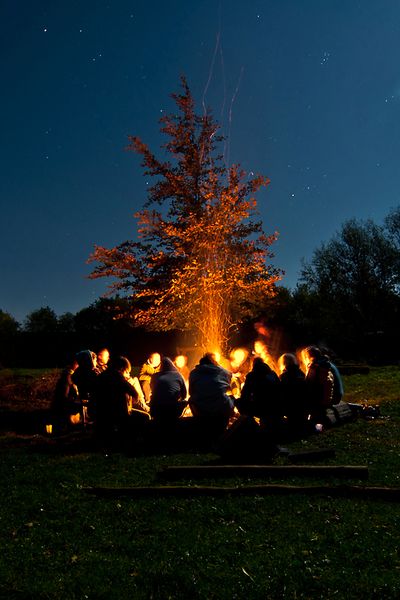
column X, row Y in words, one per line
column 180, row 361
column 259, row 348
column 103, row 357
column 217, row 356
column 155, row 360
column 238, row 356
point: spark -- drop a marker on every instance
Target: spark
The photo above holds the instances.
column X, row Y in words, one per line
column 230, row 113
column 210, row 73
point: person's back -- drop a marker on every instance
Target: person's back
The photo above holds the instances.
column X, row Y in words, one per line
column 114, row 395
column 65, row 391
column 294, row 393
column 208, row 387
column 168, row 392
column 85, row 375
column 260, row 395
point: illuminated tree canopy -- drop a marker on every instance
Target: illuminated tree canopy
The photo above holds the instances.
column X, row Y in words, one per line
column 200, row 260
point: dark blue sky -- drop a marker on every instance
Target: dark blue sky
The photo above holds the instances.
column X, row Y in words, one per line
column 307, row 90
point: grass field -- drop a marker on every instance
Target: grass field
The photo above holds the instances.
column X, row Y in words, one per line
column 57, row 541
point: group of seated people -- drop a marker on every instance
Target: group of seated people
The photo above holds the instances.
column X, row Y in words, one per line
column 101, row 391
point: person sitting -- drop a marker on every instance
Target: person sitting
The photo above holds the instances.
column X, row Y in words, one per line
column 151, row 366
column 84, row 378
column 293, row 393
column 168, row 393
column 320, row 383
column 210, row 403
column 115, row 408
column 66, row 407
column 260, row 396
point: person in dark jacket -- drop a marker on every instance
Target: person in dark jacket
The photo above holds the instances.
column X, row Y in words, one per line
column 168, row 393
column 84, row 378
column 209, row 400
column 260, row 395
column 114, row 397
column 293, row 392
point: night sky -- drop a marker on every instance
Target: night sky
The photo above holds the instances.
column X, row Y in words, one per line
column 308, row 92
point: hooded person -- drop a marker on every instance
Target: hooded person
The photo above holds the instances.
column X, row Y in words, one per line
column 260, row 395
column 168, row 392
column 209, row 384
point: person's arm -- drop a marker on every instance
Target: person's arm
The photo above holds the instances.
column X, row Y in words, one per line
column 139, row 397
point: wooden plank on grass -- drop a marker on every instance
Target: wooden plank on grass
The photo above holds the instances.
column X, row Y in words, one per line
column 342, row 491
column 212, row 471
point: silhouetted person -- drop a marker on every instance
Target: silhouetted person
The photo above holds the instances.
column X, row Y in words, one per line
column 168, row 393
column 260, row 395
column 320, row 383
column 209, row 384
column 293, row 393
column 84, row 378
column 115, row 397
column 66, row 404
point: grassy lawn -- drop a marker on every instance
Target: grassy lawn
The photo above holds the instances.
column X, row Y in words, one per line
column 57, row 541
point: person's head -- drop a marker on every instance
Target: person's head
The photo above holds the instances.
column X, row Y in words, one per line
column 121, row 364
column 237, row 357
column 167, row 365
column 154, row 359
column 289, row 360
column 313, row 353
column 86, row 359
column 208, row 358
column 260, row 366
column 103, row 356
